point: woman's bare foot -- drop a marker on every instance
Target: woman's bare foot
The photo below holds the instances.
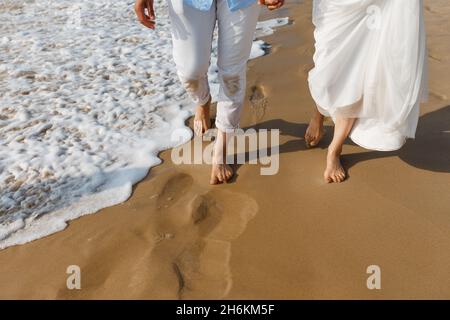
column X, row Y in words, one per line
column 221, row 172
column 202, row 121
column 315, row 131
column 334, row 173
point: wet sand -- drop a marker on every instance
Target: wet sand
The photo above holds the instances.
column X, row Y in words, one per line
column 286, row 236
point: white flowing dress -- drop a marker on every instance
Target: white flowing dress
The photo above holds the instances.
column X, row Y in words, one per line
column 371, row 64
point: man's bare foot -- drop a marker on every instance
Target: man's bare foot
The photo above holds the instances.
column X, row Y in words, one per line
column 221, row 173
column 202, row 122
column 315, row 131
column 334, row 173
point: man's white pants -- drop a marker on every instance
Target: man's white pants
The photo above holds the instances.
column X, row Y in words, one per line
column 192, row 33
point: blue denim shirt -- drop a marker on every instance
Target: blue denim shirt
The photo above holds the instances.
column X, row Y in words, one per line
column 205, row 5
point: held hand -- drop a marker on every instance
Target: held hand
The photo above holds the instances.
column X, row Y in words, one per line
column 147, row 18
column 272, row 4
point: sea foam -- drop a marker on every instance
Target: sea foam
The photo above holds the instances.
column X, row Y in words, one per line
column 88, row 98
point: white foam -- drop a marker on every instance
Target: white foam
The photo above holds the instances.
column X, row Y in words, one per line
column 266, row 28
column 88, row 100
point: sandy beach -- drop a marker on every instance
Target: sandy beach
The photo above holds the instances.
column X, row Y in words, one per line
column 284, row 236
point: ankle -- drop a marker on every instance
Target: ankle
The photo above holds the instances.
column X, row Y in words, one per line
column 318, row 117
column 205, row 106
column 219, row 154
column 334, row 151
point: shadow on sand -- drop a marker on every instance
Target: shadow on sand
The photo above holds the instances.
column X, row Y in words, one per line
column 429, row 151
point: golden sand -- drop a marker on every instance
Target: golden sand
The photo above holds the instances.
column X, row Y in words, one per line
column 286, row 236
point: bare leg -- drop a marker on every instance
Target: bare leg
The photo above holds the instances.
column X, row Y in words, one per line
column 315, row 131
column 202, row 121
column 221, row 171
column 334, row 171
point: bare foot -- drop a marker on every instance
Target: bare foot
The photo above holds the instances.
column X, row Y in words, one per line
column 202, row 121
column 334, row 171
column 315, row 131
column 221, row 173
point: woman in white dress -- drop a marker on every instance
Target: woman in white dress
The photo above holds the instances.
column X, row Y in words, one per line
column 370, row 74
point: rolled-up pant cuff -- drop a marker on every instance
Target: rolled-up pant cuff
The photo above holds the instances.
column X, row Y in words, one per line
column 225, row 128
column 198, row 89
column 228, row 115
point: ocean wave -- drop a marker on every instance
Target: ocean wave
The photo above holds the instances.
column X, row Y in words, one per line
column 88, row 99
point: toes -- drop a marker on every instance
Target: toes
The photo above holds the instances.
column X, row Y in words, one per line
column 316, row 139
column 338, row 176
column 213, row 180
column 216, row 176
column 307, row 136
column 229, row 174
column 308, row 141
column 340, row 173
column 334, row 177
column 312, row 140
column 220, row 176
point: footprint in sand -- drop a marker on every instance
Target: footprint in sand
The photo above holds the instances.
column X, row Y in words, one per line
column 202, row 224
column 217, row 218
column 175, row 188
column 258, row 102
